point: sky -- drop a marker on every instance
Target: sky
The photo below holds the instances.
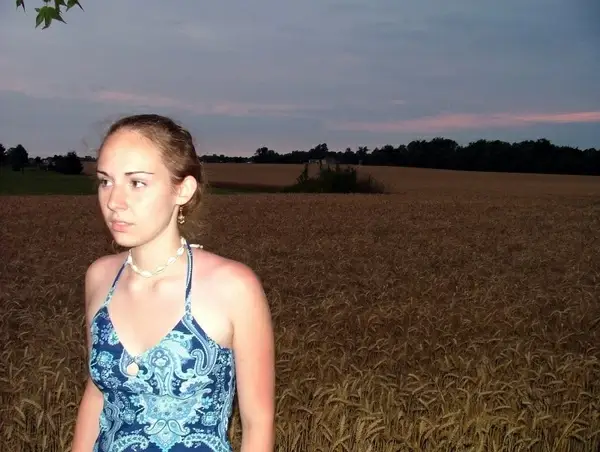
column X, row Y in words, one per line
column 290, row 75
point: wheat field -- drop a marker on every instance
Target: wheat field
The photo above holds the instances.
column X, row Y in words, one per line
column 460, row 313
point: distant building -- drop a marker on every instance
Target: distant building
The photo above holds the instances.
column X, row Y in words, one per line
column 329, row 161
column 46, row 163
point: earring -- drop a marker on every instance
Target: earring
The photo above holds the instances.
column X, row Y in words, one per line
column 180, row 217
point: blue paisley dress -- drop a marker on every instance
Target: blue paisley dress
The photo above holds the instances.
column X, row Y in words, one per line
column 180, row 399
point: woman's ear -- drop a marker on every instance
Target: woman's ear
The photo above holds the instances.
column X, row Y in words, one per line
column 186, row 190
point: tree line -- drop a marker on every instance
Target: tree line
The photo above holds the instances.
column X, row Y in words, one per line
column 18, row 159
column 539, row 156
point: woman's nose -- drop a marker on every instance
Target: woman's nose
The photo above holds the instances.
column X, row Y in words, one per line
column 117, row 200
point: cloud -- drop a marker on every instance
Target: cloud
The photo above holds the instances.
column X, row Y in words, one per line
column 218, row 108
column 215, row 108
column 458, row 121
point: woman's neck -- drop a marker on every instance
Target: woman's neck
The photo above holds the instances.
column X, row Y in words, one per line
column 157, row 252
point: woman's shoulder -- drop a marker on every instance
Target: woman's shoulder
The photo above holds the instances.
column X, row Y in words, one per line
column 100, row 271
column 233, row 279
column 105, row 263
column 239, row 293
column 216, row 266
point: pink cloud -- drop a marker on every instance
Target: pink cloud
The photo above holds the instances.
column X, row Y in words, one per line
column 15, row 85
column 226, row 108
column 429, row 124
column 457, row 121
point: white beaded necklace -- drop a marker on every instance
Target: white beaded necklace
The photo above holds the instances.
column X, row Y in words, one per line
column 162, row 268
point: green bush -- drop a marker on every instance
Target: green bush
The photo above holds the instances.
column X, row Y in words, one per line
column 334, row 180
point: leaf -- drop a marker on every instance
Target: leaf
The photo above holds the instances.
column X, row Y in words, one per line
column 21, row 3
column 43, row 16
column 55, row 15
column 39, row 18
column 72, row 3
column 47, row 20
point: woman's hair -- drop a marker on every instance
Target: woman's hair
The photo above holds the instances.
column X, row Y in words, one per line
column 176, row 147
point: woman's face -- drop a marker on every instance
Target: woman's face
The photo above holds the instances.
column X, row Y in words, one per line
column 136, row 196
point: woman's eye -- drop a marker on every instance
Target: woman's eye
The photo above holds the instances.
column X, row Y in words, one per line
column 138, row 184
column 102, row 182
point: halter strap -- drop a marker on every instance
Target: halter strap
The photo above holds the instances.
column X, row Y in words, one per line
column 188, row 279
column 114, row 284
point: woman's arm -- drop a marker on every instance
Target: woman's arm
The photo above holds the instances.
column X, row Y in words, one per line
column 254, row 350
column 88, row 416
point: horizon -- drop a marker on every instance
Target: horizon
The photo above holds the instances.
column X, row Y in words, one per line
column 288, row 77
column 335, row 151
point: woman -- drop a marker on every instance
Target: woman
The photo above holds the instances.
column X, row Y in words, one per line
column 173, row 330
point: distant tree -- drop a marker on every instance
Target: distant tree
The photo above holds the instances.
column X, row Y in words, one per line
column 67, row 164
column 18, row 158
column 2, row 154
column 362, row 154
column 319, row 152
column 49, row 13
column 265, row 155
